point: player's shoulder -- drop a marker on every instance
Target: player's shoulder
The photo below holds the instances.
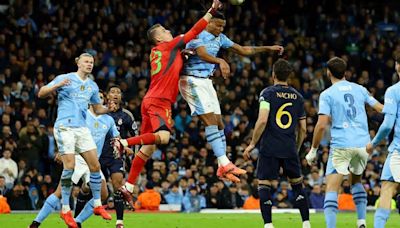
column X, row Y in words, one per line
column 298, row 94
column 128, row 113
column 267, row 90
column 394, row 88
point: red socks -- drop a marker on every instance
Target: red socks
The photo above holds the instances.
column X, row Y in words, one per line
column 136, row 167
column 145, row 139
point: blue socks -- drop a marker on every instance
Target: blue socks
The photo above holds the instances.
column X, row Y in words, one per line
column 66, row 185
column 214, row 138
column 223, row 138
column 381, row 216
column 95, row 185
column 49, row 205
column 360, row 200
column 86, row 212
column 331, row 209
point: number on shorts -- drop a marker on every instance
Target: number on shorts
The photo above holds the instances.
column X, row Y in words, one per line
column 352, row 111
column 282, row 113
column 156, row 56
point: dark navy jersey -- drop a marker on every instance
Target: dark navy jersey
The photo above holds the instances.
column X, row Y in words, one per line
column 286, row 109
column 126, row 126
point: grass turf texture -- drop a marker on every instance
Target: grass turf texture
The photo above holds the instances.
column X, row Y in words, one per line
column 182, row 220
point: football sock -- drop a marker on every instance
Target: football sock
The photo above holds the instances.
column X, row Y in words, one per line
column 136, row 167
column 95, row 186
column 223, row 138
column 214, row 138
column 119, row 205
column 330, row 209
column 360, row 200
column 264, row 192
column 381, row 216
column 49, row 205
column 86, row 212
column 301, row 201
column 145, row 139
column 66, row 185
column 81, row 201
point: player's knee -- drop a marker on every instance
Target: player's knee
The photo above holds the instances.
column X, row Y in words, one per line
column 388, row 189
column 264, row 183
column 164, row 137
column 295, row 181
column 94, row 167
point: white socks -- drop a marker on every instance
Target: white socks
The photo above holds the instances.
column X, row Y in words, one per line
column 129, row 187
column 223, row 160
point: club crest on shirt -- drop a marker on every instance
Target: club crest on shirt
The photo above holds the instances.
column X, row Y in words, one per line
column 119, row 121
column 96, row 124
column 82, row 87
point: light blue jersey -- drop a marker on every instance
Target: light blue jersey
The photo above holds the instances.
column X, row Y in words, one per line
column 391, row 107
column 197, row 67
column 99, row 127
column 74, row 100
column 345, row 103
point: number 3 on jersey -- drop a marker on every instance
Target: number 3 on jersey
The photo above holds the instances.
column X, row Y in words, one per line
column 352, row 111
column 156, row 65
column 280, row 113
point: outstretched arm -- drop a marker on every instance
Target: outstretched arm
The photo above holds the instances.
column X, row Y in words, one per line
column 251, row 50
column 202, row 23
column 223, row 65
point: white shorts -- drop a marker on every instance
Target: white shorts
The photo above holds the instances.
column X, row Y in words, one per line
column 391, row 169
column 81, row 171
column 200, row 94
column 72, row 140
column 341, row 160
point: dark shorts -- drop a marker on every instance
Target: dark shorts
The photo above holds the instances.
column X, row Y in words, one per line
column 110, row 166
column 268, row 167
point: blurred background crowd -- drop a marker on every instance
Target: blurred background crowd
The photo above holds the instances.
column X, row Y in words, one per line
column 39, row 39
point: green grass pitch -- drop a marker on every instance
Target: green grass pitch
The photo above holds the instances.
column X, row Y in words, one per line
column 182, row 220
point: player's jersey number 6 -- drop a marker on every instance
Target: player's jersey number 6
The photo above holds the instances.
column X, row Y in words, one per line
column 281, row 112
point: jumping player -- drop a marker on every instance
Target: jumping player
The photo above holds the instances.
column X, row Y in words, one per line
column 281, row 112
column 166, row 64
column 197, row 88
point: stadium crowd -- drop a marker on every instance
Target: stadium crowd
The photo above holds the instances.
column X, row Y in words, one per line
column 40, row 39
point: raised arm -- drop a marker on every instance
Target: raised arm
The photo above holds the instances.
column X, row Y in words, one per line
column 202, row 23
column 251, row 50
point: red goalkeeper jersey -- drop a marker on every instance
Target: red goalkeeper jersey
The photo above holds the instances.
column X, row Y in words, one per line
column 166, row 64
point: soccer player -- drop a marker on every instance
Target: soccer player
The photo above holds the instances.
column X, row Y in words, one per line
column 99, row 126
column 166, row 64
column 390, row 176
column 281, row 112
column 343, row 104
column 75, row 92
column 111, row 164
column 197, row 88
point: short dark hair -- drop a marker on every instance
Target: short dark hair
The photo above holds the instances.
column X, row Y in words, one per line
column 151, row 33
column 282, row 70
column 337, row 66
column 113, row 86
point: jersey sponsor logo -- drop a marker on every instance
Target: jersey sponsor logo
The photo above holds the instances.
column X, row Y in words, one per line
column 344, row 88
column 284, row 95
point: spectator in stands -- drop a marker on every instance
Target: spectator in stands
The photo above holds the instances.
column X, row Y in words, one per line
column 317, row 197
column 373, row 195
column 235, row 201
column 193, row 202
column 18, row 198
column 8, row 169
column 252, row 202
column 3, row 187
column 149, row 199
column 174, row 197
column 345, row 198
column 31, row 144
